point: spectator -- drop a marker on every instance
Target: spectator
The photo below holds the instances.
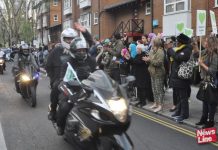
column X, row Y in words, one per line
column 125, row 40
column 45, row 54
column 209, row 68
column 145, row 43
column 141, row 73
column 93, row 51
column 115, row 52
column 182, row 86
column 40, row 57
column 132, row 49
column 157, row 72
column 124, row 65
column 169, row 47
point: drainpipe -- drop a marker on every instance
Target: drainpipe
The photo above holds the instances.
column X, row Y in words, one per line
column 152, row 15
column 99, row 18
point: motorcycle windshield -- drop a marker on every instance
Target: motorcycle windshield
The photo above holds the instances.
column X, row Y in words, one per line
column 101, row 82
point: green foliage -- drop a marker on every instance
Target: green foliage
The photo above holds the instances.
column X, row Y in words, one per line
column 26, row 31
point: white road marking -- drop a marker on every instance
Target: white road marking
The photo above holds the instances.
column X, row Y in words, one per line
column 2, row 139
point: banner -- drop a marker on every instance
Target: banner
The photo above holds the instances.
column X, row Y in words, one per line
column 213, row 21
column 180, row 26
column 69, row 74
column 201, row 23
column 188, row 32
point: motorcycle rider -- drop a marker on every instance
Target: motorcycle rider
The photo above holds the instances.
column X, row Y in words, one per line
column 83, row 64
column 2, row 55
column 57, row 57
column 23, row 59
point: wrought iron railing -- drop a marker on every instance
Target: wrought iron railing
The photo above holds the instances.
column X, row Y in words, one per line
column 131, row 26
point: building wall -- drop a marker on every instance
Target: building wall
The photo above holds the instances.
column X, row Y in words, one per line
column 110, row 19
column 158, row 15
column 214, row 8
column 198, row 5
column 68, row 17
column 55, row 10
column 95, row 8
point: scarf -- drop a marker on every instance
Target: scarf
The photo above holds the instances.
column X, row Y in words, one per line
column 177, row 49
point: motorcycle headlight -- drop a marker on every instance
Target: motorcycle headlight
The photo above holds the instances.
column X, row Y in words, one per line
column 1, row 61
column 119, row 108
column 25, row 78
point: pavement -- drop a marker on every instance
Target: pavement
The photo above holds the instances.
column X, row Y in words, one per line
column 195, row 108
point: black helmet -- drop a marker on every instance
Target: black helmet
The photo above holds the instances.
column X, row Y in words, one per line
column 79, row 48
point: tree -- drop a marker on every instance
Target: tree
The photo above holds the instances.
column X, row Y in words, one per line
column 26, row 32
column 14, row 18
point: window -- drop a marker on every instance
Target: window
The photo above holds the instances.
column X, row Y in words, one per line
column 95, row 18
column 216, row 3
column 67, row 24
column 67, row 4
column 55, row 2
column 85, row 20
column 55, row 17
column 173, row 6
column 148, row 8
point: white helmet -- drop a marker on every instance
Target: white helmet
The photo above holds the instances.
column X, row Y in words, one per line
column 68, row 33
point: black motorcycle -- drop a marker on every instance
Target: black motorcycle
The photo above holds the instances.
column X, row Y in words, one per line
column 101, row 113
column 27, row 86
column 2, row 61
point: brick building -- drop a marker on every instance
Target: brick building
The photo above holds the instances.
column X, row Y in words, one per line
column 135, row 17
column 55, row 21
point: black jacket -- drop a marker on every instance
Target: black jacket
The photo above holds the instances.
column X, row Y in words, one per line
column 180, row 56
column 140, row 71
column 82, row 68
column 57, row 59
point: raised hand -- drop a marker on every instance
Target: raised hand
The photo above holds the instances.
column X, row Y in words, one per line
column 79, row 27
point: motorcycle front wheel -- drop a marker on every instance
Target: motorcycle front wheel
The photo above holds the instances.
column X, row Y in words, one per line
column 1, row 70
column 32, row 99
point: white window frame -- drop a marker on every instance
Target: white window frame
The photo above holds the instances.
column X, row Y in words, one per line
column 55, row 17
column 55, row 2
column 147, row 8
column 174, row 3
column 67, row 4
column 95, row 18
column 216, row 3
column 85, row 20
